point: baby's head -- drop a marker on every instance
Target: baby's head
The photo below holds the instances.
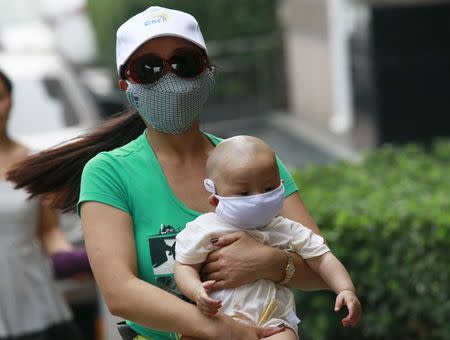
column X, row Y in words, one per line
column 244, row 180
column 242, row 166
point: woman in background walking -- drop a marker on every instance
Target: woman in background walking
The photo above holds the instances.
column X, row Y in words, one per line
column 31, row 307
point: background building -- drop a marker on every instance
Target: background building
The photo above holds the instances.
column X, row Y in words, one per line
column 363, row 73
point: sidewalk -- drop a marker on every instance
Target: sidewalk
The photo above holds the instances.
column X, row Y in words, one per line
column 293, row 149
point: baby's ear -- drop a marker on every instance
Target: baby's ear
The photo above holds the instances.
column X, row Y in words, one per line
column 213, row 200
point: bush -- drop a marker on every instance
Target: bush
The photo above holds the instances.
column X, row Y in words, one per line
column 387, row 219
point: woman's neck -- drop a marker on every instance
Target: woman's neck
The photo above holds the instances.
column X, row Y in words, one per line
column 6, row 143
column 11, row 152
column 189, row 144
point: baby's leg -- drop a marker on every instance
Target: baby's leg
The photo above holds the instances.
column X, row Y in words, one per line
column 287, row 334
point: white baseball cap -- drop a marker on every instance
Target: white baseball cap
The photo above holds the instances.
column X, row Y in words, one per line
column 155, row 22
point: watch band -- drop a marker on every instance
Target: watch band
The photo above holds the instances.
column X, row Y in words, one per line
column 289, row 269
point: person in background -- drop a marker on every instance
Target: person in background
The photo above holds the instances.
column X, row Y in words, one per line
column 138, row 180
column 31, row 306
column 247, row 193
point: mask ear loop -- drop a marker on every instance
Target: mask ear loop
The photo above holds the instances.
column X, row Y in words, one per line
column 209, row 185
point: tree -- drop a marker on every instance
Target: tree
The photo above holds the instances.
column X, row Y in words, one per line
column 219, row 19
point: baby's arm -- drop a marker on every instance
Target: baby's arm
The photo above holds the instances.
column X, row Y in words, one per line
column 336, row 276
column 189, row 284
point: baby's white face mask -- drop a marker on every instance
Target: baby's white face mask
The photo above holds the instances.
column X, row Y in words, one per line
column 248, row 212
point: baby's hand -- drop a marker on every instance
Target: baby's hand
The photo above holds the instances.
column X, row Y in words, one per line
column 206, row 305
column 348, row 298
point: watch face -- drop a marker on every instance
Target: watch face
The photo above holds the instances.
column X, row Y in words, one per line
column 291, row 270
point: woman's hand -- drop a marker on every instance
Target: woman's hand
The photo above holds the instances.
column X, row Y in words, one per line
column 71, row 263
column 241, row 259
column 228, row 329
column 51, row 235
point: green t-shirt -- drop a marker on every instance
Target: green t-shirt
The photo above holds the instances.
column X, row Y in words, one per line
column 130, row 178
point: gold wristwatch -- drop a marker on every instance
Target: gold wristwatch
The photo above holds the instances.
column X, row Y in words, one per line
column 289, row 269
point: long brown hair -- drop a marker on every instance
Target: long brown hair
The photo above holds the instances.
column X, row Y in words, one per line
column 5, row 80
column 57, row 171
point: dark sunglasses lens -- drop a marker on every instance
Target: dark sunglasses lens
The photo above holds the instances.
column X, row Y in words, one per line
column 147, row 69
column 187, row 64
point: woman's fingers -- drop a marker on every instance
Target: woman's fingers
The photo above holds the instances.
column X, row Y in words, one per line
column 213, row 256
column 222, row 284
column 221, row 242
column 211, row 267
column 211, row 270
column 238, row 263
column 269, row 331
column 226, row 240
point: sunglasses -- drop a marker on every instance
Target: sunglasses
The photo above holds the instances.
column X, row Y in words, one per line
column 148, row 68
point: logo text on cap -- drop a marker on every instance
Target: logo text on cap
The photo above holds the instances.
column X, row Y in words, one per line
column 156, row 19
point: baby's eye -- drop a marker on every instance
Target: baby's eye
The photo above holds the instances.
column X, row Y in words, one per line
column 243, row 193
column 269, row 189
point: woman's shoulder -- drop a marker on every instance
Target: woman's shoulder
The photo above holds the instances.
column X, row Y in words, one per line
column 16, row 153
column 21, row 151
column 118, row 155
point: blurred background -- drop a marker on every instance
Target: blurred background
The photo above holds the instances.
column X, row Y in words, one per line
column 354, row 96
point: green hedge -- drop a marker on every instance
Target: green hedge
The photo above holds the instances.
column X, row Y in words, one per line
column 388, row 220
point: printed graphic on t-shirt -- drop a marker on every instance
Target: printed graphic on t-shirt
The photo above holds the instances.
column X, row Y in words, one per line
column 162, row 254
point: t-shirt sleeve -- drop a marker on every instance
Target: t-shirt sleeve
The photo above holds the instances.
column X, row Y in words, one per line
column 102, row 181
column 289, row 185
column 304, row 241
column 193, row 244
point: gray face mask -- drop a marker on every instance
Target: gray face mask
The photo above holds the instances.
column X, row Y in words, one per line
column 172, row 104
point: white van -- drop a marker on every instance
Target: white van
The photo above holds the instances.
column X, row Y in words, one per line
column 49, row 103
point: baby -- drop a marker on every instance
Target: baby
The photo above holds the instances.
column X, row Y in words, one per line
column 246, row 189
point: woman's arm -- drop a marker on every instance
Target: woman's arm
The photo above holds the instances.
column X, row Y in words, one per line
column 241, row 259
column 52, row 237
column 67, row 261
column 110, row 244
column 304, row 278
column 294, row 208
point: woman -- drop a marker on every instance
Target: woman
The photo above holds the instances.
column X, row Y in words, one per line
column 30, row 304
column 135, row 197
